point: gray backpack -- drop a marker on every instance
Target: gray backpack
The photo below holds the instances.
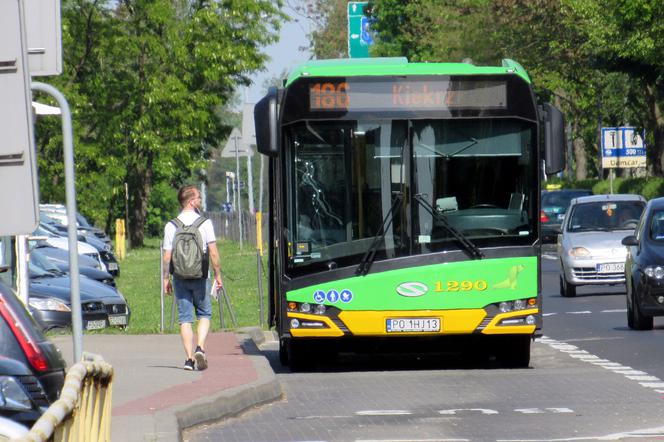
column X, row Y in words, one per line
column 188, row 258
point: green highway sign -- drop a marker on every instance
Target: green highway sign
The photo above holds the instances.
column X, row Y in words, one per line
column 359, row 33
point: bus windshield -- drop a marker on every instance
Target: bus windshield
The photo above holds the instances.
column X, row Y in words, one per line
column 353, row 180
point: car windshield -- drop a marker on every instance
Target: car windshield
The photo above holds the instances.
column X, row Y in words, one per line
column 657, row 225
column 605, row 216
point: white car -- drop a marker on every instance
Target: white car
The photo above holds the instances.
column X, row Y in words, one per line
column 590, row 247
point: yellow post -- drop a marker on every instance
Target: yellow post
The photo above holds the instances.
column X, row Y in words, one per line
column 120, row 238
column 259, row 232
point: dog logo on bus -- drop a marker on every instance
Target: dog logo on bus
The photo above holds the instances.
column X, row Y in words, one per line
column 412, row 289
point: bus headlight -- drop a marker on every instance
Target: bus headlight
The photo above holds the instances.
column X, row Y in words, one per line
column 519, row 304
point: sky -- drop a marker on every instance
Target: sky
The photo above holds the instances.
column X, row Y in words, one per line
column 284, row 55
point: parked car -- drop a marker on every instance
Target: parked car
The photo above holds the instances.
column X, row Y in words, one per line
column 644, row 268
column 105, row 251
column 553, row 207
column 37, row 256
column 43, row 237
column 32, row 370
column 58, row 212
column 590, row 247
column 49, row 300
column 60, row 257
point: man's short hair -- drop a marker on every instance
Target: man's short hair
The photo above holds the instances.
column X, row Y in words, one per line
column 186, row 193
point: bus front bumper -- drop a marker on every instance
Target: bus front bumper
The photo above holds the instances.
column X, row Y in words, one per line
column 435, row 323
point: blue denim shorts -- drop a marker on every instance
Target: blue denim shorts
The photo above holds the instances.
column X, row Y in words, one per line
column 192, row 293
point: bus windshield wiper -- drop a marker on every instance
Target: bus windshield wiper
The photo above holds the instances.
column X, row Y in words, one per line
column 370, row 254
column 469, row 246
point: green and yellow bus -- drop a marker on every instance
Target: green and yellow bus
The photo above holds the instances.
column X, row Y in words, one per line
column 404, row 205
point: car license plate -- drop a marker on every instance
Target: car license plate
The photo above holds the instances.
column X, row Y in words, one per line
column 397, row 325
column 117, row 320
column 561, row 216
column 95, row 325
column 112, row 266
column 614, row 267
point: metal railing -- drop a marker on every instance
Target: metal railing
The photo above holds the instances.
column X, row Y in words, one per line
column 226, row 226
column 83, row 411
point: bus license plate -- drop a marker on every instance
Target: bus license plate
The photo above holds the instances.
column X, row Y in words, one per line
column 397, row 325
column 615, row 267
column 95, row 325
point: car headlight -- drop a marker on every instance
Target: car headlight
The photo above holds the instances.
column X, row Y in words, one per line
column 580, row 253
column 656, row 272
column 52, row 304
column 12, row 395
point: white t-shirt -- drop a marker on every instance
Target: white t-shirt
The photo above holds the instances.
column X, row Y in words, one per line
column 188, row 218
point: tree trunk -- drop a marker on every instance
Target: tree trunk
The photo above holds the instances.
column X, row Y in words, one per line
column 581, row 172
column 138, row 202
column 656, row 120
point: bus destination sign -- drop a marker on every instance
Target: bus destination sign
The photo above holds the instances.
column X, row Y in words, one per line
column 407, row 95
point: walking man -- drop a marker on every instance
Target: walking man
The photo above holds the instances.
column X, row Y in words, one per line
column 189, row 245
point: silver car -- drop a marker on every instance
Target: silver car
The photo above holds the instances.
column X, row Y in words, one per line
column 589, row 246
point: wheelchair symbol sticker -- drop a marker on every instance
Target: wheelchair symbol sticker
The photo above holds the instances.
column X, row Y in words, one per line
column 319, row 297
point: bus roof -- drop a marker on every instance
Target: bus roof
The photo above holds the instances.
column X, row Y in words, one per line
column 355, row 67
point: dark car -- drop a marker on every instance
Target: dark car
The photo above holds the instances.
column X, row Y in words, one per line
column 32, row 370
column 644, row 268
column 50, row 301
column 60, row 257
column 40, row 256
column 553, row 208
column 105, row 250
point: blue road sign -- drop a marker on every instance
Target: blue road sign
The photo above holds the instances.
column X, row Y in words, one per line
column 623, row 147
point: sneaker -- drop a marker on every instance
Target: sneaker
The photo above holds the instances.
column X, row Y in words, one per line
column 189, row 365
column 201, row 360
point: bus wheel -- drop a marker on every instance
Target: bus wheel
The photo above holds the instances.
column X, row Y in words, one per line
column 515, row 351
column 283, row 351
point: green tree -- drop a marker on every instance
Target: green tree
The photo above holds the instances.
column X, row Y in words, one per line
column 628, row 36
column 148, row 80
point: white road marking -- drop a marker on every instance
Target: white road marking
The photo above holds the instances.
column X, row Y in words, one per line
column 549, row 314
column 411, row 440
column 618, row 310
column 454, row 411
column 583, row 312
column 643, row 433
column 383, row 412
column 642, row 377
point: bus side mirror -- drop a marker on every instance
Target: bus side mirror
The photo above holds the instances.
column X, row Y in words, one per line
column 265, row 120
column 554, row 139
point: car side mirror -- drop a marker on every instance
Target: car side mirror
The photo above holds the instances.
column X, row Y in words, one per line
column 630, row 241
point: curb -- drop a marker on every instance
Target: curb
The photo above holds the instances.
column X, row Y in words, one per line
column 171, row 423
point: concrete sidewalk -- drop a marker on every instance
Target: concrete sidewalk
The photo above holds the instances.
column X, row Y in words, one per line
column 155, row 399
